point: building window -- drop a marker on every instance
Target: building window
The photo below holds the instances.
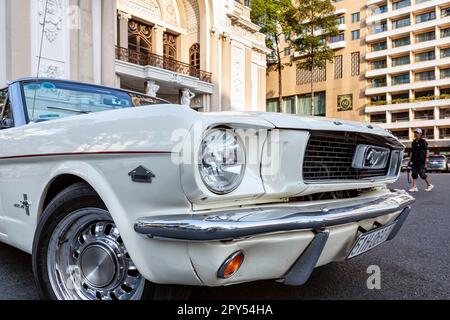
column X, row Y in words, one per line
column 401, row 134
column 425, row 76
column 378, row 64
column 338, row 67
column 427, row 36
column 304, row 76
column 170, row 46
column 401, row 42
column 378, row 100
column 425, row 56
column 355, row 34
column 272, row 105
column 400, row 79
column 379, row 9
column 355, row 17
column 400, row 116
column 445, row 12
column 399, row 61
column 356, row 64
column 287, row 36
column 445, row 53
column 378, row 118
column 379, row 27
column 339, row 37
column 287, row 51
column 289, row 105
column 194, row 55
column 445, row 73
column 304, row 104
column 378, row 82
column 341, row 19
column 444, row 113
column 379, row 46
column 426, row 17
column 424, row 94
column 400, row 98
column 139, row 37
column 424, row 115
column 444, row 133
column 445, row 33
column 401, row 4
column 404, row 22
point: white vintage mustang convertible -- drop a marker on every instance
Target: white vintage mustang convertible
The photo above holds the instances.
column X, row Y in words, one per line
column 115, row 193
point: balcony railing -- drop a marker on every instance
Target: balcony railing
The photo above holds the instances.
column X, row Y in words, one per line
column 154, row 60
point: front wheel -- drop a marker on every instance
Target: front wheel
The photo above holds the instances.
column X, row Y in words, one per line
column 78, row 253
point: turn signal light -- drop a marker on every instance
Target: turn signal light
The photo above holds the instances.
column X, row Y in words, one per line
column 231, row 265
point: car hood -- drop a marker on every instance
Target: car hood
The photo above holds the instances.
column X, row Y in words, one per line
column 290, row 121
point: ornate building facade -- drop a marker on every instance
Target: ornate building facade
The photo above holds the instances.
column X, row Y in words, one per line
column 205, row 53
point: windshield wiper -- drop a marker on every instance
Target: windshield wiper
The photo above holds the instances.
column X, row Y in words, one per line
column 68, row 109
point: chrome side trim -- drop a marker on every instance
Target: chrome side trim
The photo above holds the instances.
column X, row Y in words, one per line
column 242, row 223
column 301, row 270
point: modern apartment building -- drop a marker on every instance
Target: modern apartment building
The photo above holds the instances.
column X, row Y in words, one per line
column 340, row 87
column 209, row 47
column 408, row 68
column 401, row 78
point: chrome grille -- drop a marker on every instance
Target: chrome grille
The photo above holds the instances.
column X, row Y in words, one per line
column 329, row 156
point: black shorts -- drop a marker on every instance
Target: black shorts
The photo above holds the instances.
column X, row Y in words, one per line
column 419, row 170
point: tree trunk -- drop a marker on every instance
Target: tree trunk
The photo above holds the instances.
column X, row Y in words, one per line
column 280, row 76
column 313, row 109
column 280, row 89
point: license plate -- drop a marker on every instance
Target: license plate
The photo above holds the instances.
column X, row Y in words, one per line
column 370, row 240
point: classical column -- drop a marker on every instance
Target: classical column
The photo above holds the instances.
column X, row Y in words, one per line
column 158, row 40
column 123, row 29
column 108, row 42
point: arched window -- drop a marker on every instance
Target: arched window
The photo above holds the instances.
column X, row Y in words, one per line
column 139, row 37
column 194, row 55
column 170, row 46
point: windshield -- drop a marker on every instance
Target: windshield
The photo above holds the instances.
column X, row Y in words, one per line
column 437, row 158
column 48, row 100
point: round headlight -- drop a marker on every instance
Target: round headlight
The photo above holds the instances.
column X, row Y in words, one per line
column 222, row 161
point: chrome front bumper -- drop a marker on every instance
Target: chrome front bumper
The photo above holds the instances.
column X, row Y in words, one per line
column 243, row 223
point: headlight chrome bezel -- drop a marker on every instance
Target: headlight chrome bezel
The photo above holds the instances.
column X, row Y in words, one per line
column 237, row 182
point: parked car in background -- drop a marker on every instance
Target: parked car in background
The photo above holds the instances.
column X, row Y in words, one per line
column 437, row 163
column 405, row 165
column 111, row 197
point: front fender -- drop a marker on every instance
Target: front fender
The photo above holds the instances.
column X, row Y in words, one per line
column 153, row 258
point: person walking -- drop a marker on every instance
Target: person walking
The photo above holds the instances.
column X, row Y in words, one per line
column 419, row 160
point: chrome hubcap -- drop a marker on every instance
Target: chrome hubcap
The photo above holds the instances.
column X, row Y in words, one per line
column 87, row 260
column 97, row 266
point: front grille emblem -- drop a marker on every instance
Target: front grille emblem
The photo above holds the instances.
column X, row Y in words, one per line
column 370, row 157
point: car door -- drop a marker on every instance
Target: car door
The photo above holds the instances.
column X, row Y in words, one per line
column 6, row 120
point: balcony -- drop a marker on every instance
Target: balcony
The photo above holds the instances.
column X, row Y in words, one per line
column 412, row 28
column 425, row 102
column 154, row 60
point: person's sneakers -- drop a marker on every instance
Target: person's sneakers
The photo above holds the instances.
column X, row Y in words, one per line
column 429, row 188
column 414, row 189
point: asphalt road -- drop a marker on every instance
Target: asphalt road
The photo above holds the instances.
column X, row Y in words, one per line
column 415, row 265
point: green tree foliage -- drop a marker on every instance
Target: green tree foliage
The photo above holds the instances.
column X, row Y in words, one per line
column 270, row 15
column 313, row 23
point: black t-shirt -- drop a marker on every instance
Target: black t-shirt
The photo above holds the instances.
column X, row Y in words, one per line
column 419, row 151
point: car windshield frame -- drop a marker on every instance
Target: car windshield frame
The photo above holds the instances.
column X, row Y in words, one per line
column 124, row 98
